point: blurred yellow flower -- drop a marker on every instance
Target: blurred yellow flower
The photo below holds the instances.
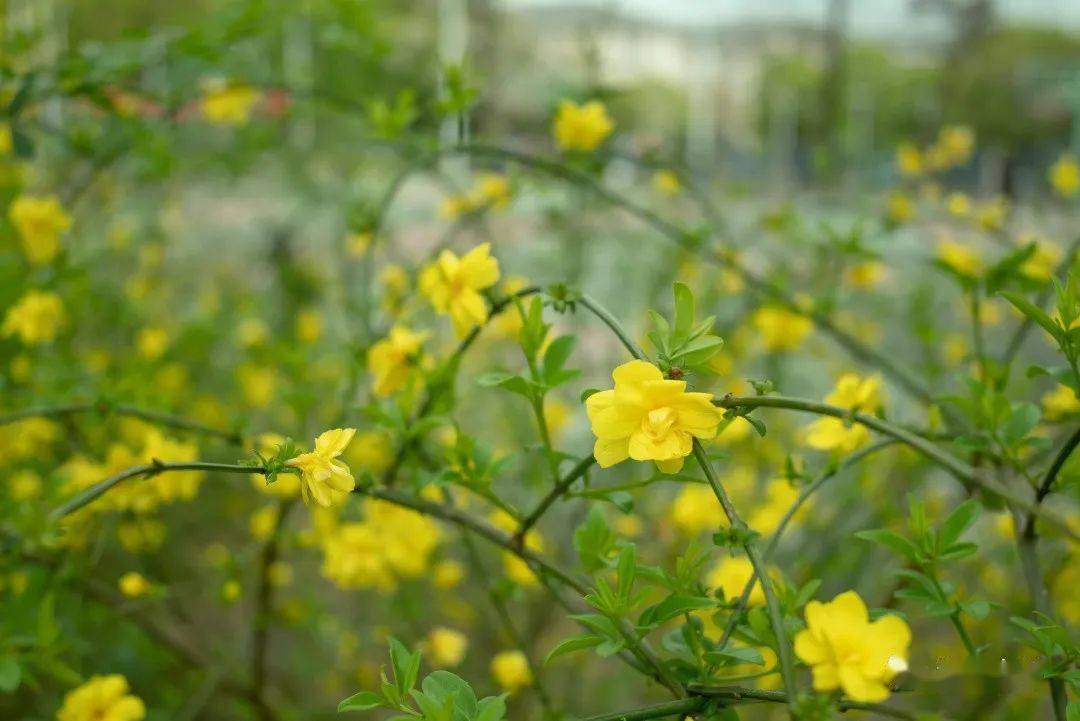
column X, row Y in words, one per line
column 309, row 325
column 151, row 342
column 629, row 525
column 1065, row 176
column 258, row 384
column 24, row 485
column 1060, row 402
column 666, row 182
column 865, row 275
column 446, row 647
column 102, row 698
column 279, row 574
column 780, row 495
column 263, row 522
column 647, row 417
column 225, row 104
column 133, row 585
column 392, row 358
column 252, row 332
column 39, row 222
column 845, row 650
column 958, row 205
column 515, row 567
column 324, row 480
column 231, row 591
column 956, row 143
column 899, row 208
column 1043, row 262
column 991, row 215
column 837, row 434
column 447, row 574
column 371, row 451
column 358, row 243
column 695, row 509
column 510, row 669
column 452, row 285
column 582, row 127
column 6, row 142
column 781, row 329
column 731, row 575
column 909, row 160
column 962, row 258
column 35, row 318
column 141, row 534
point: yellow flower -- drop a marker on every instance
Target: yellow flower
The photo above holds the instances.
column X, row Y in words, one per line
column 491, row 189
column 899, row 208
column 1065, row 176
column 865, row 275
column 696, row 509
column 1060, row 402
column 252, row 332
column 666, row 182
column 909, row 160
column 372, row 451
column 845, row 650
column 141, row 534
column 958, row 205
column 781, row 329
column 102, row 698
column 7, row 144
column 836, row 434
column 447, row 574
column 391, row 359
column 279, row 574
column 39, row 222
column 647, row 417
column 357, row 244
column 731, row 575
column 263, row 522
column 452, row 285
column 446, row 647
column 224, row 104
column 24, row 485
column 629, row 525
column 309, row 325
column 960, row 257
column 582, row 127
column 516, row 568
column 286, row 485
column 152, row 342
column 991, row 215
column 36, row 317
column 779, row 497
column 324, row 480
column 511, row 670
column 1043, row 262
column 133, row 585
column 257, row 384
column 231, row 591
column 956, row 143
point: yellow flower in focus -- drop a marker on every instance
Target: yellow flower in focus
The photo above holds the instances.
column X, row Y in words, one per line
column 324, row 480
column 446, row 647
column 224, row 104
column 133, row 585
column 102, row 698
column 452, row 285
column 958, row 205
column 909, row 160
column 309, row 325
column 39, row 222
column 865, row 275
column 731, row 575
column 899, row 208
column 447, row 574
column 1065, row 176
column 35, row 318
column 781, row 329
column 845, row 650
column 510, row 670
column 666, row 182
column 695, row 509
column 582, row 127
column 392, row 358
column 1060, row 402
column 648, row 418
column 152, row 342
column 960, row 257
column 24, row 485
column 357, row 244
column 836, row 434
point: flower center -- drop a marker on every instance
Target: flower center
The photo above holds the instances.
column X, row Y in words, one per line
column 658, row 422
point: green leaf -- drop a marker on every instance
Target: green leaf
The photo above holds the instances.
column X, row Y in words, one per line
column 1035, row 313
column 594, row 540
column 735, row 656
column 1022, row 420
column 891, row 540
column 959, row 521
column 507, row 381
column 684, row 310
column 1072, row 711
column 555, row 357
column 10, row 674
column 572, row 644
column 363, row 701
column 672, row 606
column 443, row 684
column 491, row 708
column 626, row 569
column 406, row 666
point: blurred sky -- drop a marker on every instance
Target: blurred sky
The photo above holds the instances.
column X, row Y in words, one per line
column 869, row 18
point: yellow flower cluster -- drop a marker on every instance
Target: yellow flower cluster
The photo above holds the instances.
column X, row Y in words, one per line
column 390, row 543
column 845, row 650
column 324, row 480
column 102, row 698
column 452, row 285
column 391, row 359
column 39, row 223
column 731, row 575
column 35, row 318
column 836, row 434
column 225, row 104
column 649, row 418
column 491, row 190
column 582, row 127
column 953, row 146
column 962, row 258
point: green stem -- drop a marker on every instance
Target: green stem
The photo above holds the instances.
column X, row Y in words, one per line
column 148, row 470
column 611, row 322
column 575, row 473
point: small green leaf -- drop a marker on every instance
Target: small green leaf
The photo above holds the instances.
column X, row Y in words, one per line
column 891, row 540
column 684, row 310
column 1035, row 313
column 959, row 521
column 572, row 644
column 735, row 656
column 363, row 701
column 672, row 606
